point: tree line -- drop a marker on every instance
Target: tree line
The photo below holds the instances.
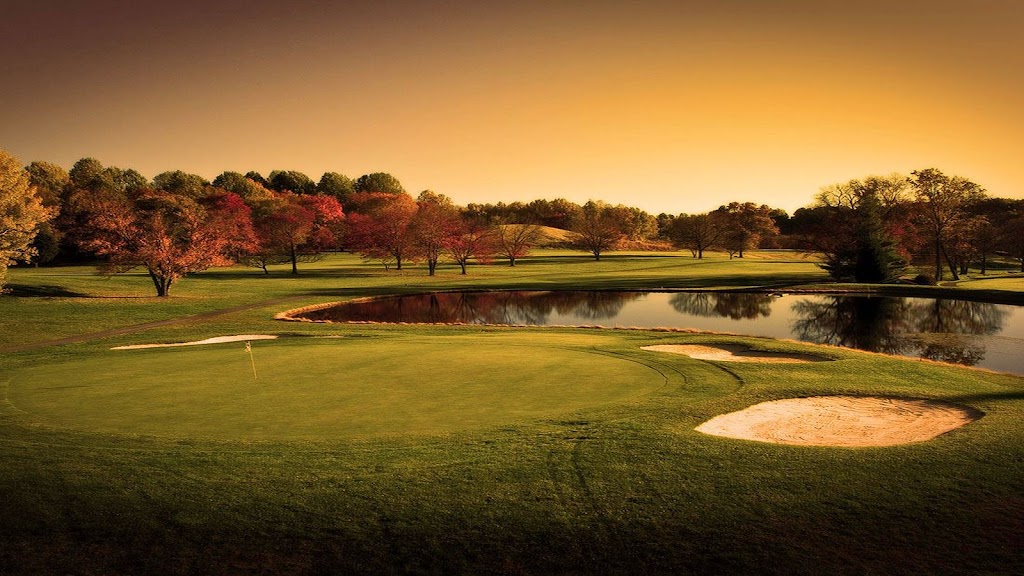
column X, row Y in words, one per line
column 179, row 223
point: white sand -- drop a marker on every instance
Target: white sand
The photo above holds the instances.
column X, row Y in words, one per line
column 841, row 421
column 734, row 353
column 215, row 340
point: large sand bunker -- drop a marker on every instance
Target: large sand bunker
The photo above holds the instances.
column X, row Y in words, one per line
column 841, row 421
column 734, row 353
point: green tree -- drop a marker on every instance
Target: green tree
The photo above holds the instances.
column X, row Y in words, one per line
column 250, row 190
column 21, row 213
column 379, row 182
column 181, row 183
column 291, row 181
column 337, row 185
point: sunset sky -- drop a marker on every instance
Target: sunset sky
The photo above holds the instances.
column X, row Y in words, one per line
column 674, row 106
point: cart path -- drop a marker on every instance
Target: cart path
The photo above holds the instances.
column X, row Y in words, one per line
column 145, row 326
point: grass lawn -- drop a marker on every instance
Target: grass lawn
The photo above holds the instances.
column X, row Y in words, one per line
column 466, row 449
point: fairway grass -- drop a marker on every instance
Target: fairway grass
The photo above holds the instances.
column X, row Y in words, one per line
column 311, row 389
column 467, row 449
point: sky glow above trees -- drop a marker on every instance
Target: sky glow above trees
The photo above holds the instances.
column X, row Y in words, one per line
column 669, row 106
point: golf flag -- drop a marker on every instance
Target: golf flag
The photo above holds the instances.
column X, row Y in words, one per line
column 248, row 348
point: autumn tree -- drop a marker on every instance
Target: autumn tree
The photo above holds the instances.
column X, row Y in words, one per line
column 21, row 213
column 695, row 232
column 847, row 226
column 598, row 227
column 298, row 228
column 382, row 230
column 433, row 225
column 170, row 235
column 942, row 202
column 470, row 240
column 514, row 241
column 1011, row 235
column 744, row 225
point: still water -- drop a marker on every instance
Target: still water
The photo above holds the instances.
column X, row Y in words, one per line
column 971, row 333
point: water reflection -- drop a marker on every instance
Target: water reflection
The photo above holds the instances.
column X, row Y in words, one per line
column 505, row 307
column 947, row 330
column 733, row 305
column 932, row 329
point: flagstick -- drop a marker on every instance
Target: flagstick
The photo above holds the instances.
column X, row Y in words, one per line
column 248, row 348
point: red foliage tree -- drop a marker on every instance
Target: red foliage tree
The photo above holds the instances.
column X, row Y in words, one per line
column 297, row 227
column 435, row 223
column 170, row 235
column 384, row 232
column 468, row 241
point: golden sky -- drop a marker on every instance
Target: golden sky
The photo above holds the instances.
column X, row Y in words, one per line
column 674, row 106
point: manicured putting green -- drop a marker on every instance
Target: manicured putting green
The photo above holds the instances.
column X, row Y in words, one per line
column 325, row 388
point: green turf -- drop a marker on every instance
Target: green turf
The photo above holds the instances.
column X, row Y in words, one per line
column 328, row 389
column 466, row 449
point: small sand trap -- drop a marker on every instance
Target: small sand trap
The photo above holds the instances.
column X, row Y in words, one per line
column 215, row 340
column 734, row 353
column 841, row 421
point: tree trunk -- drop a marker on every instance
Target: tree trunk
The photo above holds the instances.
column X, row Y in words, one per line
column 398, row 261
column 511, row 261
column 952, row 266
column 700, row 253
column 431, row 266
column 462, row 264
column 984, row 263
column 597, row 255
column 162, row 285
column 295, row 261
column 938, row 259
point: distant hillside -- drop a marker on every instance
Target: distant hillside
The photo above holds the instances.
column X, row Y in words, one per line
column 554, row 237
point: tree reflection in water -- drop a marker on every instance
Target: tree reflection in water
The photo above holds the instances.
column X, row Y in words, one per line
column 735, row 305
column 506, row 307
column 935, row 329
column 930, row 329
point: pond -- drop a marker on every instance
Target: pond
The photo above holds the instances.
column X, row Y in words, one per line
column 971, row 333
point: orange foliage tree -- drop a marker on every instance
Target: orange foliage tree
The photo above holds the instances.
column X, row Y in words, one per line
column 169, row 235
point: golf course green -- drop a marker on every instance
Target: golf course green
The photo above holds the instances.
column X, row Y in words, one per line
column 396, row 449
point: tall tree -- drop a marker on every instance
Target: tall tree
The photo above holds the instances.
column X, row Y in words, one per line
column 337, row 185
column 435, row 222
column 170, row 235
column 470, row 240
column 599, row 228
column 696, row 232
column 383, row 232
column 298, row 228
column 21, row 213
column 181, row 183
column 745, row 224
column 943, row 201
column 51, row 183
column 379, row 182
column 250, row 190
column 514, row 241
column 291, row 181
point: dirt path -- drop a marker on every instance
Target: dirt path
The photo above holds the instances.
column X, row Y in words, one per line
column 145, row 326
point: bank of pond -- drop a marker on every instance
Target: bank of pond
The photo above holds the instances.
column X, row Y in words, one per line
column 964, row 332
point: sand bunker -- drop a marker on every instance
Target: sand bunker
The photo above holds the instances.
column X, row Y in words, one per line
column 842, row 421
column 734, row 353
column 215, row 340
